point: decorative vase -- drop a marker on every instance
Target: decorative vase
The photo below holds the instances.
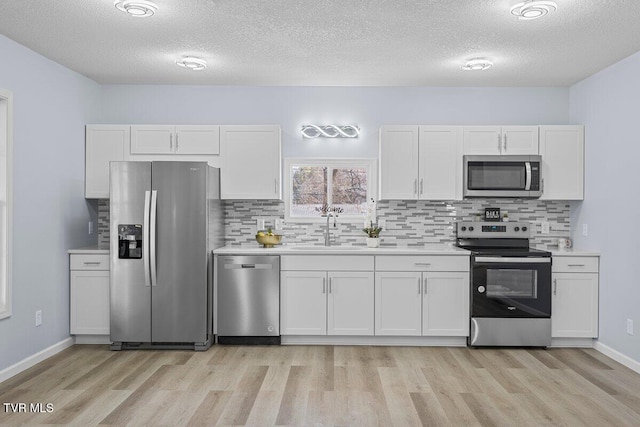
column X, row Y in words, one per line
column 373, row 242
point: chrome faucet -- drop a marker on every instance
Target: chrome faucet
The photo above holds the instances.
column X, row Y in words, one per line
column 327, row 233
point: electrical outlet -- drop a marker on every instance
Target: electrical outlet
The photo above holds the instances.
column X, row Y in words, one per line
column 90, row 227
column 585, row 230
column 544, row 227
column 260, row 224
column 630, row 326
column 38, row 317
column 279, row 223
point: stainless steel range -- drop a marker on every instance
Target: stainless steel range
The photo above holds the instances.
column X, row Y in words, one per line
column 510, row 285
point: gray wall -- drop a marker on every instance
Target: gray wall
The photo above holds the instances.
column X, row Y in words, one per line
column 607, row 104
column 51, row 106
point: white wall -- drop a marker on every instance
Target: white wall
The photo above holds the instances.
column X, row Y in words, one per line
column 607, row 104
column 368, row 107
column 51, row 106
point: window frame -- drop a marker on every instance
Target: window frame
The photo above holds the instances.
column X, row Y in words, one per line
column 364, row 162
column 6, row 140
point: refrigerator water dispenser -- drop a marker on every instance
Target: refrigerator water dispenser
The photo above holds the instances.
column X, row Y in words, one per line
column 129, row 241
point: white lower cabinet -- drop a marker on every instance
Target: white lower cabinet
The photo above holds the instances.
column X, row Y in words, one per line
column 317, row 301
column 89, row 291
column 422, row 303
column 574, row 304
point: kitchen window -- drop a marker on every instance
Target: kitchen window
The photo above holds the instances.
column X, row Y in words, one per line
column 6, row 133
column 310, row 184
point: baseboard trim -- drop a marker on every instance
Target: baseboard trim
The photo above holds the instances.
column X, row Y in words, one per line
column 34, row 359
column 374, row 340
column 634, row 365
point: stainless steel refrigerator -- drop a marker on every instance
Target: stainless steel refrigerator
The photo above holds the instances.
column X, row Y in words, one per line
column 165, row 218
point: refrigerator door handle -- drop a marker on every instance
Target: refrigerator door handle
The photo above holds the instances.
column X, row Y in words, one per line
column 145, row 240
column 152, row 237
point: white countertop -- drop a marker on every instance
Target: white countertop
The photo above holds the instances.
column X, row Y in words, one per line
column 443, row 249
column 89, row 250
column 572, row 252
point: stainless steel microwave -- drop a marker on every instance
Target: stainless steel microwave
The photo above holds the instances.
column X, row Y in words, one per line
column 502, row 176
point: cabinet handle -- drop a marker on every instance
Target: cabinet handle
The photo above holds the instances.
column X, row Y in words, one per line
column 421, row 185
column 170, row 142
column 419, row 290
column 425, row 286
column 575, row 265
column 330, row 287
column 415, row 186
column 324, row 284
column 92, row 263
column 505, row 143
column 177, row 142
column 499, row 145
column 425, row 264
column 555, row 286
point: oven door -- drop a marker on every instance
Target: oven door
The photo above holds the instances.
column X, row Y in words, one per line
column 505, row 286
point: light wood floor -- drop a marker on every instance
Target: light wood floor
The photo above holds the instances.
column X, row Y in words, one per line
column 327, row 386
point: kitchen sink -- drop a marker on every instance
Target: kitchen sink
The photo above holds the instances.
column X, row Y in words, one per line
column 328, row 248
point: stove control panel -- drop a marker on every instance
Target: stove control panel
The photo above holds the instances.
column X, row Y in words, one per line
column 493, row 230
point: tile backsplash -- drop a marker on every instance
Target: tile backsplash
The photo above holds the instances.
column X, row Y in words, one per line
column 408, row 223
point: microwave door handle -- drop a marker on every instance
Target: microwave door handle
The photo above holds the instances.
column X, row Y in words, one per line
column 527, row 185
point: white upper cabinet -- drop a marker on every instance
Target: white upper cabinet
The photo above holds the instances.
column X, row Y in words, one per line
column 251, row 167
column 103, row 144
column 399, row 162
column 420, row 162
column 498, row 140
column 440, row 154
column 562, row 151
column 169, row 139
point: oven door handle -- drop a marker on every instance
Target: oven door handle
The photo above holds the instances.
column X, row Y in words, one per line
column 506, row 260
column 527, row 184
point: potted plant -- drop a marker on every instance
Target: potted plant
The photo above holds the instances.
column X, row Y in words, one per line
column 373, row 234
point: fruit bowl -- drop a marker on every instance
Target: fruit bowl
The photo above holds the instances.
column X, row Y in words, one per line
column 269, row 240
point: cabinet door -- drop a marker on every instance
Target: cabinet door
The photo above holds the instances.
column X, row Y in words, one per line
column 103, row 144
column 562, row 151
column 519, row 140
column 89, row 302
column 152, row 139
column 350, row 303
column 198, row 140
column 440, row 163
column 398, row 305
column 251, row 162
column 482, row 140
column 445, row 309
column 574, row 306
column 398, row 162
column 303, row 303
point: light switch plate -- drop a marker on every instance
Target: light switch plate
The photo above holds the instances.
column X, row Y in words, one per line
column 544, row 227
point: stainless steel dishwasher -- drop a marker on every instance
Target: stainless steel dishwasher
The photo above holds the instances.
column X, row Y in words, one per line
column 248, row 299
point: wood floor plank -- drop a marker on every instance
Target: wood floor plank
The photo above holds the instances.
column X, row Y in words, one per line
column 327, row 386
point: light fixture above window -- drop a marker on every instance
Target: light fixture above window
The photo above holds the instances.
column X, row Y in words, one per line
column 137, row 8
column 192, row 63
column 533, row 9
column 330, row 131
column 477, row 64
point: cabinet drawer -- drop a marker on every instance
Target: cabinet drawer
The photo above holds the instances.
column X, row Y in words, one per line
column 326, row 262
column 422, row 263
column 89, row 262
column 575, row 264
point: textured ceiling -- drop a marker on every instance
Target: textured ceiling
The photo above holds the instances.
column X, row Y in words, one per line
column 327, row 42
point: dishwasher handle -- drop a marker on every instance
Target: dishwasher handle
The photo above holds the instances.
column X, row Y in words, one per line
column 248, row 266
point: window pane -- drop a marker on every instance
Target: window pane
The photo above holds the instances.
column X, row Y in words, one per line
column 309, row 190
column 349, row 189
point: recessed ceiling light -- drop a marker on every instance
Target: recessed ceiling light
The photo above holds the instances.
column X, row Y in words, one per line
column 192, row 63
column 137, row 8
column 477, row 64
column 533, row 9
